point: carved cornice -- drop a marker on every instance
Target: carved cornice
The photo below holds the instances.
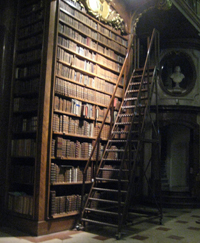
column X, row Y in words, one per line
column 103, row 11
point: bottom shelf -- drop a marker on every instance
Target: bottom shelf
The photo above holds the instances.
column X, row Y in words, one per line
column 61, row 215
column 61, row 206
column 42, row 227
column 21, row 203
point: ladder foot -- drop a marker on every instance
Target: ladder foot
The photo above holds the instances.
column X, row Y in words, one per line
column 118, row 236
column 79, row 227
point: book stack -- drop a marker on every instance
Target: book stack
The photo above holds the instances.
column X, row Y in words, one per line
column 20, row 202
column 68, row 173
column 59, row 147
column 23, row 147
column 64, row 204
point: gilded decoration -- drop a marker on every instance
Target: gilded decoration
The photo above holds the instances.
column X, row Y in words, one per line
column 164, row 4
column 103, row 11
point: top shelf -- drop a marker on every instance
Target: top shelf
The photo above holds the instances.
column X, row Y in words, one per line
column 93, row 23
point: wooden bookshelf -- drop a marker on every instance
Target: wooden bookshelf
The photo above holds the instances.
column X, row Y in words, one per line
column 88, row 59
column 24, row 110
column 66, row 64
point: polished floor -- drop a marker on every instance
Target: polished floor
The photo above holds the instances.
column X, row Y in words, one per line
column 179, row 225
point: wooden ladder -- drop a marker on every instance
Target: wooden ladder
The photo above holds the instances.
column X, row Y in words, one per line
column 112, row 191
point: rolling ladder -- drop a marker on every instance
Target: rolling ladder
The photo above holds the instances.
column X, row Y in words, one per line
column 115, row 181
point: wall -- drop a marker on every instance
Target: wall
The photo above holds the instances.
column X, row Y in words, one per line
column 193, row 97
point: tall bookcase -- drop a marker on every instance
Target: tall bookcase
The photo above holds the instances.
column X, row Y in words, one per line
column 66, row 67
column 25, row 111
column 88, row 60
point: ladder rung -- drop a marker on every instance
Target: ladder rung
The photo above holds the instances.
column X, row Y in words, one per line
column 125, row 115
column 126, row 132
column 99, row 222
column 119, row 132
column 101, row 211
column 110, row 169
column 117, row 141
column 132, row 98
column 135, row 98
column 107, row 190
column 114, row 150
column 128, row 107
column 140, row 75
column 110, row 180
column 103, row 200
column 136, row 90
column 113, row 160
column 123, row 123
column 122, row 141
column 138, row 83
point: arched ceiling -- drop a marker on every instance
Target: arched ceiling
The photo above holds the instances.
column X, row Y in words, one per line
column 177, row 23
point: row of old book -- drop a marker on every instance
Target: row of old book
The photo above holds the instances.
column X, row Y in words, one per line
column 86, row 66
column 82, row 17
column 66, row 88
column 66, row 148
column 30, row 42
column 88, row 41
column 70, row 125
column 65, row 28
column 20, row 202
column 86, row 80
column 64, row 204
column 117, row 43
column 28, row 71
column 31, row 29
column 73, row 46
column 80, row 109
column 74, row 34
column 28, row 19
column 24, row 124
column 29, row 56
column 112, row 30
column 68, row 204
column 22, row 87
column 21, row 104
column 68, row 173
column 23, row 147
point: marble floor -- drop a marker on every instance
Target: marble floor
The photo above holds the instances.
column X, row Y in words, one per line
column 179, row 225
